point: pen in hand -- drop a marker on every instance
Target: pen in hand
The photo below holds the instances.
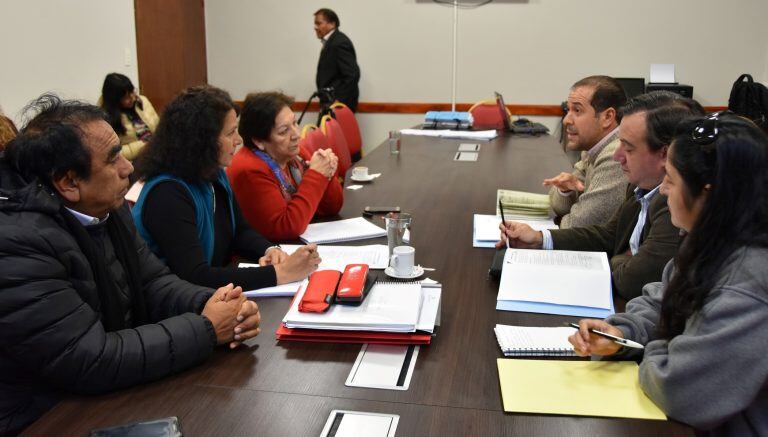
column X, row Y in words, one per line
column 503, row 222
column 617, row 340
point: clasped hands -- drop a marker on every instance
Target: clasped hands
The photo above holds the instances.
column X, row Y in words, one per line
column 234, row 317
column 565, row 182
column 325, row 162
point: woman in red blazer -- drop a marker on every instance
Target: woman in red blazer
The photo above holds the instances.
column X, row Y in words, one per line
column 279, row 192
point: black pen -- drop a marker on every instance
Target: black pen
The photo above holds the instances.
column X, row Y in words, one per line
column 617, row 340
column 503, row 222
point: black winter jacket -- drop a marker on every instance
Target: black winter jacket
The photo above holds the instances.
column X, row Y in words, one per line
column 53, row 341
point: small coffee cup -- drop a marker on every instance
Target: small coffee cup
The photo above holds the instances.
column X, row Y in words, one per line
column 402, row 260
column 360, row 172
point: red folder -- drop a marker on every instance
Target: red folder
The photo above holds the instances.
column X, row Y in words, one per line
column 331, row 336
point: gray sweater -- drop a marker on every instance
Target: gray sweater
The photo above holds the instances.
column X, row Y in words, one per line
column 713, row 376
column 604, row 189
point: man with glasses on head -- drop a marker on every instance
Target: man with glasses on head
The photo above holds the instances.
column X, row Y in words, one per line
column 596, row 187
column 640, row 237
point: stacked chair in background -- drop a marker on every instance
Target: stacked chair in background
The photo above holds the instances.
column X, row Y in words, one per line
column 338, row 131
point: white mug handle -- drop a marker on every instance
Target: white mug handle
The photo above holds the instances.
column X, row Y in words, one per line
column 393, row 261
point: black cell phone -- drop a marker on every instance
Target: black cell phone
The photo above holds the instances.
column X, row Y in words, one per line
column 370, row 210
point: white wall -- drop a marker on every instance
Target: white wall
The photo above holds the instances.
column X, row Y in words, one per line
column 63, row 46
column 531, row 51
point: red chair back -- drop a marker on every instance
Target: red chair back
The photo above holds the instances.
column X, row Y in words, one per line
column 332, row 129
column 351, row 129
column 311, row 139
column 486, row 115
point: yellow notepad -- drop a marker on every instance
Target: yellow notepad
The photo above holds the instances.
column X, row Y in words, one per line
column 578, row 388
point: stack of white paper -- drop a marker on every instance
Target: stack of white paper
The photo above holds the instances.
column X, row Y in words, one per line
column 556, row 282
column 486, row 229
column 389, row 307
column 342, row 230
column 483, row 135
column 337, row 257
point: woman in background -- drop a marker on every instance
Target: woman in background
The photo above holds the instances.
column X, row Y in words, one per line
column 279, row 191
column 131, row 115
column 705, row 326
column 186, row 211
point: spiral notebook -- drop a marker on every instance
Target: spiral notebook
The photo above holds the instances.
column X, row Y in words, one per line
column 525, row 341
column 342, row 230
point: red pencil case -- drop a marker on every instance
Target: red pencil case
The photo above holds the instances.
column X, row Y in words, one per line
column 320, row 291
column 354, row 285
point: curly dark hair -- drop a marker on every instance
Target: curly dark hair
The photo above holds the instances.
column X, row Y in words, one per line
column 51, row 142
column 186, row 142
column 257, row 117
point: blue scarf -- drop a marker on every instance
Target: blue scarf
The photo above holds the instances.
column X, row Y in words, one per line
column 286, row 186
column 203, row 199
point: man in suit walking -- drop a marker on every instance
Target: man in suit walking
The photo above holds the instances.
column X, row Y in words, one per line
column 337, row 67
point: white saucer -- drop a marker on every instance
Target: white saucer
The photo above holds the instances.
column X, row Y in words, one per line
column 363, row 179
column 417, row 271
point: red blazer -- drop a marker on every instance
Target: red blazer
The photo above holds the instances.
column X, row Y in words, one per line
column 263, row 205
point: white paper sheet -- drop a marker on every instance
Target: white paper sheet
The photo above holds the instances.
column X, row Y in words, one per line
column 337, row 257
column 556, row 276
column 484, row 135
column 283, row 290
column 430, row 308
column 487, row 233
column 352, row 229
column 663, row 73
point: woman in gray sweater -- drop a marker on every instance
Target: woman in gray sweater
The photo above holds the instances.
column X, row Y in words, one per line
column 705, row 326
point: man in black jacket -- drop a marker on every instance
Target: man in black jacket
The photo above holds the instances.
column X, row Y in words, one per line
column 337, row 67
column 84, row 305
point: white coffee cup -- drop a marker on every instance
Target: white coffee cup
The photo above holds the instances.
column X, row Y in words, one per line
column 360, row 172
column 402, row 260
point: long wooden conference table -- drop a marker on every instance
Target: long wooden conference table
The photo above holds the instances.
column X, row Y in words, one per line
column 271, row 388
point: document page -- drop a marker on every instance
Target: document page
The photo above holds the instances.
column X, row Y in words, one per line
column 337, row 257
column 487, row 226
column 556, row 277
column 342, row 230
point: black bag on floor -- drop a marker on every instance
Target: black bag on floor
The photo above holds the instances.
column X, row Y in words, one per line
column 750, row 99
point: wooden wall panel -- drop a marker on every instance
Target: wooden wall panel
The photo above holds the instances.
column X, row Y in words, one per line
column 170, row 45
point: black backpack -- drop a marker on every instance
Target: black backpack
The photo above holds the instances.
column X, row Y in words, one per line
column 750, row 99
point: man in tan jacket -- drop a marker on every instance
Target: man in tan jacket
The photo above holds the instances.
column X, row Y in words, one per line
column 597, row 187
